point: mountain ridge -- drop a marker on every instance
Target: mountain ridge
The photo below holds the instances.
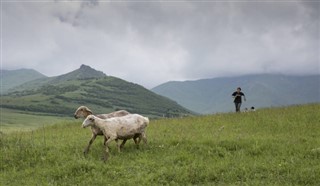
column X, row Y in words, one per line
column 61, row 95
column 213, row 95
column 84, row 72
column 13, row 78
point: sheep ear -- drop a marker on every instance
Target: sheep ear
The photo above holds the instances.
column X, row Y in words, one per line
column 88, row 110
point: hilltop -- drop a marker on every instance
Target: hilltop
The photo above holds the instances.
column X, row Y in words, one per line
column 264, row 90
column 84, row 72
column 61, row 95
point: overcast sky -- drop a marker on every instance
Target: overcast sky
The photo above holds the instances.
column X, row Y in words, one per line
column 152, row 42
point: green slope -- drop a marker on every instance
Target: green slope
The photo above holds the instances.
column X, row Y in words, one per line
column 61, row 95
column 224, row 149
column 84, row 72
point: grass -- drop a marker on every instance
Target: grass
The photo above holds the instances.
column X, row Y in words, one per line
column 13, row 120
column 278, row 146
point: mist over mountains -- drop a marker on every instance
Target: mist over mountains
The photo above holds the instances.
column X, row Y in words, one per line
column 207, row 96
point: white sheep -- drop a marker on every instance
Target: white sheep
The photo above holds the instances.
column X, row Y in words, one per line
column 83, row 112
column 125, row 127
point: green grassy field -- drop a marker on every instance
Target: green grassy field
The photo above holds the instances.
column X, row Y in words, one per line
column 278, row 146
column 13, row 120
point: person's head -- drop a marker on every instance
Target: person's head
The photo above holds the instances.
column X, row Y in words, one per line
column 238, row 89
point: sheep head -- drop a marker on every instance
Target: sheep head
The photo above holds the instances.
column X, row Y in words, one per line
column 89, row 121
column 82, row 112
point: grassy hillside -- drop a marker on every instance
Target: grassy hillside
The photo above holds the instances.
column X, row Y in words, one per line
column 279, row 146
column 13, row 120
column 62, row 95
column 84, row 72
column 266, row 90
column 102, row 95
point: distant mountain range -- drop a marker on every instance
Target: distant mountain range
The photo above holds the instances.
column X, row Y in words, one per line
column 62, row 95
column 13, row 78
column 267, row 90
column 29, row 90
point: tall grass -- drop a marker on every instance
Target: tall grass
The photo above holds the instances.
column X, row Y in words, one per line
column 279, row 146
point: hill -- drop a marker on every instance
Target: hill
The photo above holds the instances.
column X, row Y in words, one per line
column 13, row 78
column 84, row 72
column 61, row 95
column 223, row 149
column 267, row 90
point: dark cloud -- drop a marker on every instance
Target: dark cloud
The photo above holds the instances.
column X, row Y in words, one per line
column 153, row 42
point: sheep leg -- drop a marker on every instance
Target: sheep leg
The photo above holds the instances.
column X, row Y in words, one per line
column 122, row 144
column 106, row 153
column 119, row 146
column 105, row 140
column 137, row 141
column 86, row 150
column 144, row 138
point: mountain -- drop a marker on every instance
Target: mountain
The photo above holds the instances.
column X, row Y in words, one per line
column 13, row 78
column 84, row 72
column 267, row 90
column 62, row 95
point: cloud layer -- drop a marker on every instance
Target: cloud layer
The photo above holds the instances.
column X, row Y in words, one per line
column 153, row 42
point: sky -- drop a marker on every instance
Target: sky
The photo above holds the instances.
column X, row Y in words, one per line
column 152, row 42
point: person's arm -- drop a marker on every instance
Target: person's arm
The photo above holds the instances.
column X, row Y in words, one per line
column 244, row 98
column 234, row 95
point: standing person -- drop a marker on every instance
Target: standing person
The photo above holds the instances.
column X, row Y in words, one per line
column 237, row 98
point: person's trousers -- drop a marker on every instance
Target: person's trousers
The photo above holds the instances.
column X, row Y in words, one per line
column 237, row 105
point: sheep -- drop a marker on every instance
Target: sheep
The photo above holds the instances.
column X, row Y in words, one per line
column 125, row 127
column 83, row 112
